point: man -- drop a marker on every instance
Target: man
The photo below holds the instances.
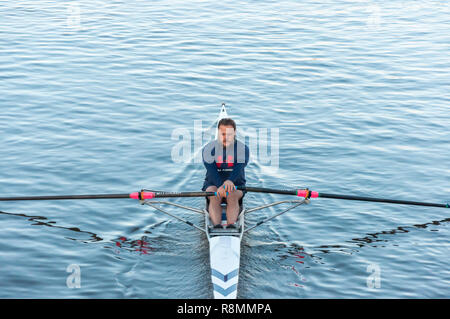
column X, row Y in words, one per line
column 225, row 160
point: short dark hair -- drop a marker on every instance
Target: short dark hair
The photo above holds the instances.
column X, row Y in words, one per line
column 227, row 122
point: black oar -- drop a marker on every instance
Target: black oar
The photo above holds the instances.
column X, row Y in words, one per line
column 381, row 200
column 136, row 195
column 268, row 190
column 306, row 193
column 59, row 197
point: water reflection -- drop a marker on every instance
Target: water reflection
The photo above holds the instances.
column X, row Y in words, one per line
column 369, row 239
column 43, row 221
column 299, row 259
column 141, row 245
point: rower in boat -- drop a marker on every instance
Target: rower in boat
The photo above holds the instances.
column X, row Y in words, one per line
column 225, row 159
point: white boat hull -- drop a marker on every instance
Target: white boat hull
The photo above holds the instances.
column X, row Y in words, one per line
column 225, row 255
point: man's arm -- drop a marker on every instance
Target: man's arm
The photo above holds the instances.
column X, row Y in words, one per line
column 213, row 173
column 211, row 168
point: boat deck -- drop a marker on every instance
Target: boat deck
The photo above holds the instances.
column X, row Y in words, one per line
column 225, row 251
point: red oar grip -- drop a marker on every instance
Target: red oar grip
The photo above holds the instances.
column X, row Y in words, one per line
column 142, row 195
column 307, row 193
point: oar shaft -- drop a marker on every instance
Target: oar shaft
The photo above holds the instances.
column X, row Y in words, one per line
column 311, row 194
column 62, row 197
column 380, row 200
column 136, row 195
column 183, row 194
column 267, row 190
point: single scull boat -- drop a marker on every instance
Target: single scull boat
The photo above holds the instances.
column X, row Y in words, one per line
column 224, row 244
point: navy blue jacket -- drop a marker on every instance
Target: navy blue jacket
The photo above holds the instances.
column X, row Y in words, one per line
column 225, row 164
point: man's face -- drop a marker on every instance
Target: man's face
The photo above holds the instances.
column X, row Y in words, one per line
column 226, row 135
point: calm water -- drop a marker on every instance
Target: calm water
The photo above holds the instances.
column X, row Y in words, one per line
column 93, row 95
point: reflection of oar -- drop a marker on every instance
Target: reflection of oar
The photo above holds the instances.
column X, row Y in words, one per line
column 306, row 193
column 43, row 221
column 136, row 195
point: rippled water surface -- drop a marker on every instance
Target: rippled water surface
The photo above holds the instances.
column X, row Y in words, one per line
column 95, row 96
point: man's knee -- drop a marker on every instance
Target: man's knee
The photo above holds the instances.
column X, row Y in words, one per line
column 236, row 195
column 212, row 189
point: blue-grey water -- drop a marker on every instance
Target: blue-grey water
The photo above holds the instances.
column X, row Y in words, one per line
column 94, row 96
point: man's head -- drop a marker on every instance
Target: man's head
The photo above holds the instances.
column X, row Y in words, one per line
column 227, row 131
